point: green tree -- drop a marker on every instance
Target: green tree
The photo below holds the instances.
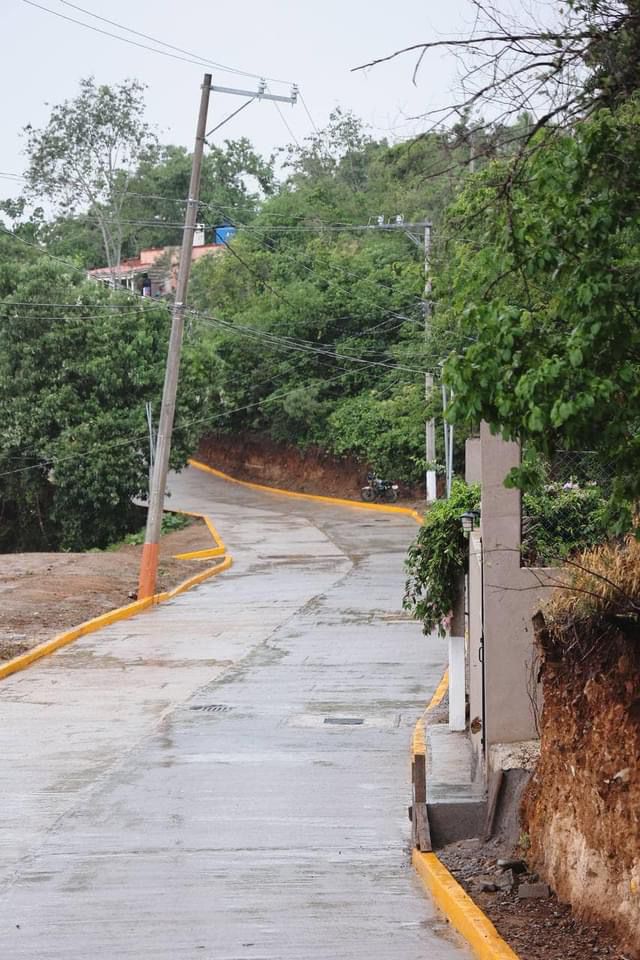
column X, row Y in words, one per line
column 77, row 365
column 308, row 285
column 543, row 290
column 85, row 156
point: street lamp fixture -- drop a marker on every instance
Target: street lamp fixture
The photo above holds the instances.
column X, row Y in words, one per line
column 467, row 522
column 470, row 521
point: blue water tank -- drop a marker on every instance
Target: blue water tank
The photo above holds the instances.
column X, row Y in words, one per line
column 224, row 234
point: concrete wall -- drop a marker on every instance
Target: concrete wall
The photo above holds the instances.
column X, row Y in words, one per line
column 474, row 602
column 512, row 594
column 473, row 460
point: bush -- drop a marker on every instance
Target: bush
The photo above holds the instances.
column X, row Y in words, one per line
column 437, row 558
column 558, row 521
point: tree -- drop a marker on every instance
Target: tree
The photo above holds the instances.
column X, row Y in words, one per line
column 85, row 156
column 234, row 181
column 543, row 285
column 77, row 365
column 558, row 62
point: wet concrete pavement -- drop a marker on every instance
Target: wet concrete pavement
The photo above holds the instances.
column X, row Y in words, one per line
column 227, row 776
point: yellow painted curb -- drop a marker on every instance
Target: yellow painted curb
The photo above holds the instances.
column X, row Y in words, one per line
column 194, row 581
column 457, row 906
column 380, row 507
column 130, row 610
column 460, row 910
column 62, row 639
column 419, row 743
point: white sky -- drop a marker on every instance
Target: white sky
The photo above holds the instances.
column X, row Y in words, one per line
column 313, row 43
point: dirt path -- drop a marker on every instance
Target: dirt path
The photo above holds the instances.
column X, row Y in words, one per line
column 42, row 594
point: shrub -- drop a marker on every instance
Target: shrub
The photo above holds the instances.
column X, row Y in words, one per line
column 438, row 556
column 559, row 520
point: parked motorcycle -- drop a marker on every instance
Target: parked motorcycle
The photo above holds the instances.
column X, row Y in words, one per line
column 378, row 489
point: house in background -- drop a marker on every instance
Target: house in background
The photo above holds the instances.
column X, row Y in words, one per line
column 154, row 272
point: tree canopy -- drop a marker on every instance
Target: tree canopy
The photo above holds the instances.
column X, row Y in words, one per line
column 77, row 365
column 540, row 287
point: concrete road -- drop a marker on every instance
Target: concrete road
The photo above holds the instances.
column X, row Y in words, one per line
column 226, row 776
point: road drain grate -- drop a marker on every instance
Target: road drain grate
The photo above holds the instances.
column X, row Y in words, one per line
column 345, row 721
column 211, row 707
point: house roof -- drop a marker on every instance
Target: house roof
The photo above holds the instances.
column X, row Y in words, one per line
column 141, row 264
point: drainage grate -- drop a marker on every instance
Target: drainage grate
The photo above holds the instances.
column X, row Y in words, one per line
column 345, row 721
column 211, row 707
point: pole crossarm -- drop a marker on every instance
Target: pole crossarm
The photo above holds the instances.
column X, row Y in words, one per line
column 259, row 94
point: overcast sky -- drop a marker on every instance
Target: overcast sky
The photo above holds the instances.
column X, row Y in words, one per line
column 314, row 44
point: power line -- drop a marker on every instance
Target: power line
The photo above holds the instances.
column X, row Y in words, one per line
column 191, row 58
column 146, row 301
column 163, row 43
column 285, row 343
column 125, row 441
column 286, row 123
column 308, row 113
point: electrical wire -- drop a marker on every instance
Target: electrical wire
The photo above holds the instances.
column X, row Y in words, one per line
column 286, row 123
column 296, row 344
column 286, row 344
column 308, row 113
column 250, row 331
column 190, row 58
column 50, row 462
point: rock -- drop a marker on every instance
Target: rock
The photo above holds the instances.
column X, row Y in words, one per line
column 533, row 891
column 507, row 880
column 518, row 866
column 485, row 884
column 622, row 776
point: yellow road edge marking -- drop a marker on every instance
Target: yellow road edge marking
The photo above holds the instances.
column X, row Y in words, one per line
column 418, row 741
column 438, row 696
column 25, row 660
column 356, row 504
column 201, row 554
column 460, row 910
column 457, row 906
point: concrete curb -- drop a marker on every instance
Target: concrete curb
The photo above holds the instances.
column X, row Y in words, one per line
column 460, row 910
column 419, row 741
column 457, row 906
column 380, row 507
column 130, row 610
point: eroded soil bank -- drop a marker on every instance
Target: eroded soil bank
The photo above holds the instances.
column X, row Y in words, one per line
column 259, row 459
column 582, row 806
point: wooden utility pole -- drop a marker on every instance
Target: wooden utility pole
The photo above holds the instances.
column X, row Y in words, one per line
column 149, row 564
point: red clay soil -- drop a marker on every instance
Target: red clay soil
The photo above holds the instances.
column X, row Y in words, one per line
column 43, row 594
column 582, row 808
column 262, row 460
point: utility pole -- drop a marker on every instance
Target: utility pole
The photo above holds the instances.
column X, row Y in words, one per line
column 150, row 551
column 430, row 426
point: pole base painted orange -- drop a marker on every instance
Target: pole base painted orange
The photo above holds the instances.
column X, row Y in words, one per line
column 148, row 570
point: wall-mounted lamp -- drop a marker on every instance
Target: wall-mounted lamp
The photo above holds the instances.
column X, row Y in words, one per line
column 470, row 521
column 467, row 523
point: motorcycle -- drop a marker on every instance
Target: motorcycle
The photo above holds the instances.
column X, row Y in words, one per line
column 377, row 489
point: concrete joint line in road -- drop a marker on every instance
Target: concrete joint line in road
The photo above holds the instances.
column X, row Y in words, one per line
column 316, row 498
column 131, row 609
column 457, row 906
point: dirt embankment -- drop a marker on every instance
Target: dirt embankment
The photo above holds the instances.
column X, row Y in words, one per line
column 582, row 807
column 261, row 460
column 43, row 594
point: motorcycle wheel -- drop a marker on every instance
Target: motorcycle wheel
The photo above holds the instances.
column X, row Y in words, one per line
column 390, row 495
column 367, row 494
